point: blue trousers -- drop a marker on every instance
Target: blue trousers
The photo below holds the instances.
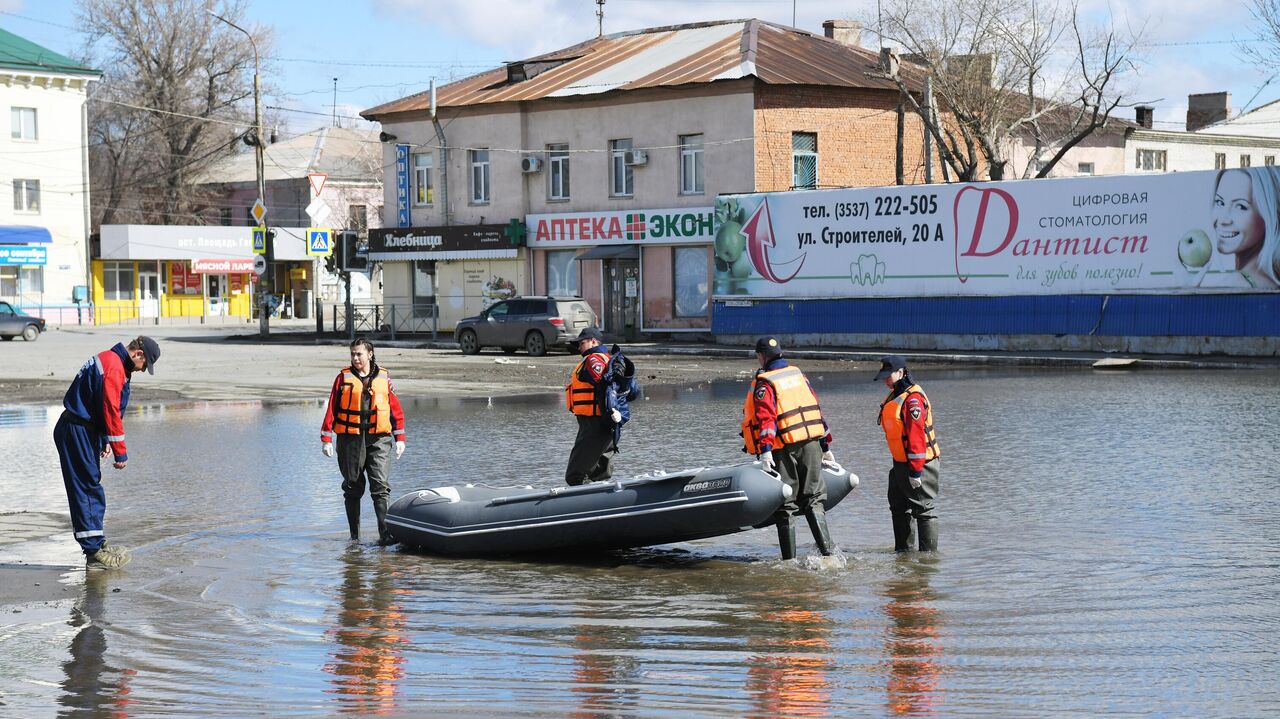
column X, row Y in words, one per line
column 79, row 446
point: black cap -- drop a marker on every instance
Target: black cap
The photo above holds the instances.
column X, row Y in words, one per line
column 590, row 333
column 889, row 365
column 769, row 347
column 152, row 351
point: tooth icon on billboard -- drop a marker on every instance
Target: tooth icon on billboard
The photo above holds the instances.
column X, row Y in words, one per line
column 867, row 271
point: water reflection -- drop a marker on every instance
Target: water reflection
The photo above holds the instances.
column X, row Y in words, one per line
column 789, row 675
column 368, row 662
column 913, row 640
column 604, row 679
column 92, row 688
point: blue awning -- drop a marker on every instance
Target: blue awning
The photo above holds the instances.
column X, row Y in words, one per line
column 23, row 235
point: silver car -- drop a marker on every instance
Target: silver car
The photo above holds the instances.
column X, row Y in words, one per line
column 534, row 323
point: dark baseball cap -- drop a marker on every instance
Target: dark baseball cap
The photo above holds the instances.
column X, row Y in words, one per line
column 151, row 349
column 769, row 347
column 890, row 364
column 590, row 333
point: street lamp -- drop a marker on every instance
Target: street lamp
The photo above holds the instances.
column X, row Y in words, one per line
column 264, row 283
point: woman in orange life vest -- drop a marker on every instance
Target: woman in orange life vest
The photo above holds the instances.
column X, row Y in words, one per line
column 365, row 419
column 907, row 419
column 783, row 426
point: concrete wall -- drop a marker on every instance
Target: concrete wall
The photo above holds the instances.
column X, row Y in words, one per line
column 1105, row 151
column 1197, row 150
column 56, row 159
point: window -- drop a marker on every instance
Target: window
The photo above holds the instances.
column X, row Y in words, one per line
column 562, row 273
column 622, row 181
column 558, row 177
column 1151, row 159
column 22, row 123
column 117, row 280
column 804, row 160
column 358, row 219
column 691, row 287
column 1268, row 159
column 1246, row 160
column 1219, row 160
column 8, row 286
column 26, row 195
column 691, row 175
column 224, row 216
column 1084, row 168
column 423, row 190
column 479, row 176
column 31, row 279
column 424, row 288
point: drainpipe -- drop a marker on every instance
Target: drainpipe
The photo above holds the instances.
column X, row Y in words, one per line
column 88, row 217
column 444, row 156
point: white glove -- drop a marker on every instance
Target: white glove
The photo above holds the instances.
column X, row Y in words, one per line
column 399, row 448
column 828, row 457
column 915, row 482
column 616, row 416
column 767, row 463
column 327, row 448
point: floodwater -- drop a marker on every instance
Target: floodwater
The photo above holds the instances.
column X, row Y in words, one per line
column 1109, row 547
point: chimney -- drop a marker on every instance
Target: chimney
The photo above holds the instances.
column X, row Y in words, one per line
column 978, row 70
column 1145, row 115
column 1207, row 108
column 845, row 32
column 889, row 61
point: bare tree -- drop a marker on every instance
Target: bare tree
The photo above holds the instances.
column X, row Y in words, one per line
column 1009, row 73
column 1264, row 49
column 175, row 96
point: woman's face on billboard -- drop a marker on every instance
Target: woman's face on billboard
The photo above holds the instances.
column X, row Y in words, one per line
column 1236, row 222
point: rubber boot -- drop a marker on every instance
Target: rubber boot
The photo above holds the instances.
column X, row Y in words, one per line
column 353, row 516
column 787, row 536
column 928, row 529
column 818, row 525
column 903, row 533
column 380, row 511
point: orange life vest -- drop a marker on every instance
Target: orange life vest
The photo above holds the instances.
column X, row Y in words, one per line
column 798, row 416
column 579, row 394
column 895, row 430
column 361, row 412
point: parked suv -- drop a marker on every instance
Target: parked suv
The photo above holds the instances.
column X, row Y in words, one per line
column 534, row 323
column 14, row 323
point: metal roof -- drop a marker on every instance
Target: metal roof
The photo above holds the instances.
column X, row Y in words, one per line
column 19, row 53
column 341, row 153
column 667, row 57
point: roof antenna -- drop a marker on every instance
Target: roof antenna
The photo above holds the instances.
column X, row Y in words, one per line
column 600, row 18
column 335, row 102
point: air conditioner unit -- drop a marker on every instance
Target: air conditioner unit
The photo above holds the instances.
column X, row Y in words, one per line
column 635, row 157
column 530, row 164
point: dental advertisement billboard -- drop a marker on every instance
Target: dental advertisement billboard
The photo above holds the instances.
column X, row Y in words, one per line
column 1176, row 233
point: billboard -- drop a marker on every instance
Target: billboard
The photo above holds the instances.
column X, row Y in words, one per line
column 1178, row 233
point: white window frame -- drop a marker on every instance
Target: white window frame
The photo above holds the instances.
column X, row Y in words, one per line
column 562, row 260
column 620, row 170
column 423, row 163
column 122, row 276
column 24, row 124
column 1219, row 160
column 798, row 155
column 1246, row 160
column 692, row 171
column 1148, row 160
column 24, row 192
column 480, row 187
column 1084, row 169
column 558, row 172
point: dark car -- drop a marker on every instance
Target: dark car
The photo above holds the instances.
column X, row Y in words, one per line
column 534, row 323
column 15, row 322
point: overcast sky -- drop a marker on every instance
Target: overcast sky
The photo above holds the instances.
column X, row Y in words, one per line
column 380, row 50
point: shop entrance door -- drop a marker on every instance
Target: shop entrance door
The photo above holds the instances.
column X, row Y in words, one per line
column 216, row 294
column 148, row 294
column 621, row 296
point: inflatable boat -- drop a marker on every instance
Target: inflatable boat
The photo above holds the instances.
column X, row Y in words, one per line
column 474, row 519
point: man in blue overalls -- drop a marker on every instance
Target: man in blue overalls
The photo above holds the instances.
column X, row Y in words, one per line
column 91, row 426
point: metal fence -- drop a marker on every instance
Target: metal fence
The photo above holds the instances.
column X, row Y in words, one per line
column 384, row 320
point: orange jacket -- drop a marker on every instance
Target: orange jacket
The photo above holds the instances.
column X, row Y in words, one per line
column 909, row 433
column 363, row 406
column 780, row 409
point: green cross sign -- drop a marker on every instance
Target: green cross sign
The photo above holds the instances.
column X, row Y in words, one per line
column 516, row 232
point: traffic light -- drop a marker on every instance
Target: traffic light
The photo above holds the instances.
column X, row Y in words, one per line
column 270, row 253
column 353, row 254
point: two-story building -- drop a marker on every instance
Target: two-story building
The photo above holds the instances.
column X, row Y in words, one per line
column 44, row 244
column 611, row 153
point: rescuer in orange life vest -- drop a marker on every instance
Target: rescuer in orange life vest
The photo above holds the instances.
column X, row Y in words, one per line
column 365, row 418
column 598, row 395
column 907, row 419
column 783, row 425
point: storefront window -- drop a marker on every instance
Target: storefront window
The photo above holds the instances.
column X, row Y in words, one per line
column 31, row 279
column 8, row 281
column 562, row 273
column 691, row 281
column 424, row 288
column 117, row 280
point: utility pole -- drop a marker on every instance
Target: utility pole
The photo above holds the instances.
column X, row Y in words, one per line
column 599, row 18
column 335, row 102
column 264, row 282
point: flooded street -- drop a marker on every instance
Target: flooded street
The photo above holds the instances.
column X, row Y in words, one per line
column 1109, row 547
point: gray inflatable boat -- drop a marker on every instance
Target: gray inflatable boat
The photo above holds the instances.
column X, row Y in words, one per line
column 474, row 519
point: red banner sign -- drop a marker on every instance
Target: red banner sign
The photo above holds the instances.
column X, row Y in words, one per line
column 221, row 266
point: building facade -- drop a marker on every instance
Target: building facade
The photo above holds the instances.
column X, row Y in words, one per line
column 44, row 244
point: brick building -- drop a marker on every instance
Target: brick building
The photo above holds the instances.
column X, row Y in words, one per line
column 612, row 153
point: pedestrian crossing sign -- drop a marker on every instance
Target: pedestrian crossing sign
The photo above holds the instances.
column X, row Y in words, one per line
column 319, row 241
column 259, row 240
